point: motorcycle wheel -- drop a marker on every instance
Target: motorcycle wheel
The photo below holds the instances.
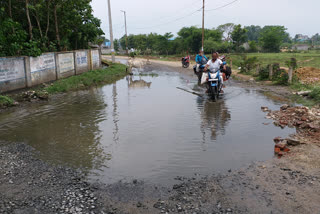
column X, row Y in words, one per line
column 214, row 93
column 186, row 65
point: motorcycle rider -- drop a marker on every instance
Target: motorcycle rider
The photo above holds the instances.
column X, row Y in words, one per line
column 201, row 60
column 214, row 65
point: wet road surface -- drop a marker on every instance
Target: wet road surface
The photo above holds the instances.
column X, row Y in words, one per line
column 143, row 127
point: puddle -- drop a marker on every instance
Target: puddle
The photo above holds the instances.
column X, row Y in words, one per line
column 143, row 127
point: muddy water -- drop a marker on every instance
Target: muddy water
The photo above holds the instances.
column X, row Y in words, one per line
column 146, row 128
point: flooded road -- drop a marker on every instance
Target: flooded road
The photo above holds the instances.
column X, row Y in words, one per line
column 143, row 127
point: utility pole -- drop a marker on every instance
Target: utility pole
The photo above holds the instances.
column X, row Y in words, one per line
column 202, row 25
column 125, row 24
column 111, row 33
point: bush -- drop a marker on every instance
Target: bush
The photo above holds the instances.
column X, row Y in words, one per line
column 315, row 94
column 280, row 77
column 248, row 63
column 263, row 73
column 5, row 101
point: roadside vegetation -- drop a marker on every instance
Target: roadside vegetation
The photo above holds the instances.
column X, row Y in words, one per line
column 33, row 27
column 304, row 59
column 6, row 101
column 92, row 78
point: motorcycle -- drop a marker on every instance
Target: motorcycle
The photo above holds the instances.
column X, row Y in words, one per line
column 214, row 85
column 198, row 69
column 185, row 61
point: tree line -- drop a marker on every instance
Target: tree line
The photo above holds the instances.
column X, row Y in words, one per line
column 30, row 27
column 225, row 38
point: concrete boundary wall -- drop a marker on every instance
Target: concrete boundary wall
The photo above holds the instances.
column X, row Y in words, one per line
column 65, row 65
column 95, row 59
column 42, row 69
column 21, row 72
column 12, row 73
column 81, row 61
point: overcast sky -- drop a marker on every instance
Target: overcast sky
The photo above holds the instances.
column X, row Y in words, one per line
column 161, row 16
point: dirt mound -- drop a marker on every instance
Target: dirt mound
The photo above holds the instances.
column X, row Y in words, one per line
column 308, row 75
column 305, row 120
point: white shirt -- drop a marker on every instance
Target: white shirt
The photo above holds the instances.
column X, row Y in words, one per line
column 214, row 66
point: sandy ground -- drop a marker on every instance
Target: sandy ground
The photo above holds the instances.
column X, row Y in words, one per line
column 290, row 184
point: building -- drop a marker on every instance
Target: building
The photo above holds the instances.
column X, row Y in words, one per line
column 301, row 47
column 301, row 38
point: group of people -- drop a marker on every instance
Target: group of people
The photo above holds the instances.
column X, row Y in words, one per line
column 213, row 64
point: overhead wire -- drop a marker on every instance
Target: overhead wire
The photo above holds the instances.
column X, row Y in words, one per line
column 223, row 6
column 171, row 20
column 174, row 20
column 189, row 14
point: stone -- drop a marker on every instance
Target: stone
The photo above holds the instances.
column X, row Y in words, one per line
column 293, row 142
column 284, row 107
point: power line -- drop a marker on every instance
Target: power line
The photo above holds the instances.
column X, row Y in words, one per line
column 223, row 6
column 178, row 12
column 172, row 20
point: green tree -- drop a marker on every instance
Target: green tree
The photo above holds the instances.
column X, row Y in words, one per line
column 50, row 25
column 272, row 37
column 238, row 36
column 226, row 30
column 253, row 46
column 116, row 44
column 253, row 32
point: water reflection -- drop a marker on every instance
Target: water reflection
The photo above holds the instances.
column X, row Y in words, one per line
column 136, row 84
column 214, row 117
column 64, row 131
column 115, row 114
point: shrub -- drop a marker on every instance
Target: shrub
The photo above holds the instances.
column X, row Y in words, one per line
column 315, row 94
column 263, row 73
column 248, row 63
column 5, row 101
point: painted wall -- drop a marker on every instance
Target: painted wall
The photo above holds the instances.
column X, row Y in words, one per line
column 65, row 65
column 22, row 72
column 95, row 59
column 12, row 74
column 81, row 61
column 43, row 69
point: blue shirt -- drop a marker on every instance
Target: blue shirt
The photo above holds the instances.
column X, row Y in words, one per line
column 199, row 59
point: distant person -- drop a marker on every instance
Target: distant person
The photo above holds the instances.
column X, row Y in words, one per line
column 201, row 59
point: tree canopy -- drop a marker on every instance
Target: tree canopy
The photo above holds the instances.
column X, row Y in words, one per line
column 271, row 38
column 30, row 27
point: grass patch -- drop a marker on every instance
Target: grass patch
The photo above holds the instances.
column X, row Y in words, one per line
column 315, row 94
column 6, row 101
column 312, row 99
column 92, row 78
column 307, row 59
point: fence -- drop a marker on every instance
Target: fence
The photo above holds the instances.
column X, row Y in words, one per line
column 21, row 72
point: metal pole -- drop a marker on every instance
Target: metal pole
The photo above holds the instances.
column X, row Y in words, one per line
column 111, row 33
column 202, row 25
column 125, row 23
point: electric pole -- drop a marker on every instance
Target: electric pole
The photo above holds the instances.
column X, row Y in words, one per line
column 111, row 33
column 125, row 24
column 202, row 25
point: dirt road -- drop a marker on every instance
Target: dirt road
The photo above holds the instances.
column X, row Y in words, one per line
column 290, row 184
